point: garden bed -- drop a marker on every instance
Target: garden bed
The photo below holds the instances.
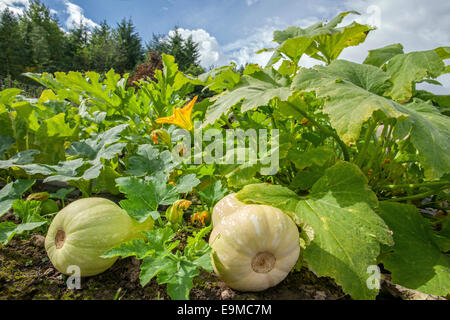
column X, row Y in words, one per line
column 26, row 273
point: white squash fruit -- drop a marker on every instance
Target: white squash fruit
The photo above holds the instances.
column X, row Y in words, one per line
column 85, row 229
column 254, row 248
column 226, row 206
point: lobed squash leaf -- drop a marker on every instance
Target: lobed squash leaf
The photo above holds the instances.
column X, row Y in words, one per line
column 415, row 260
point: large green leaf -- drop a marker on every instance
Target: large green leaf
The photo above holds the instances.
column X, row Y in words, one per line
column 6, row 128
column 7, row 96
column 293, row 48
column 347, row 231
column 415, row 261
column 442, row 238
column 406, row 69
column 148, row 161
column 330, row 47
column 11, row 192
column 104, row 145
column 51, row 136
column 254, row 90
column 352, row 93
column 144, row 197
column 20, row 158
column 378, row 57
column 315, row 156
column 8, row 229
column 443, row 52
column 63, row 171
column 212, row 193
column 141, row 202
column 6, row 142
column 136, row 247
column 219, row 79
column 179, row 279
column 322, row 41
column 276, row 195
column 430, row 132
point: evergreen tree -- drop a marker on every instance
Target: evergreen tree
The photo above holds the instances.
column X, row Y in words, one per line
column 11, row 57
column 129, row 47
column 101, row 49
column 77, row 55
column 35, row 42
column 45, row 39
column 185, row 51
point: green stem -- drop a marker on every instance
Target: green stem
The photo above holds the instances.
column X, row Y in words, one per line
column 89, row 190
column 417, row 185
column 324, row 129
column 360, row 159
column 377, row 150
column 413, row 197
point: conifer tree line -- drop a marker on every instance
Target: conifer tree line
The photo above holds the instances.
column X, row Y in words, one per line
column 36, row 42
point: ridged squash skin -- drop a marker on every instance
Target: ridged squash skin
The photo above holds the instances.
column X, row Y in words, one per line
column 82, row 231
column 226, row 206
column 254, row 248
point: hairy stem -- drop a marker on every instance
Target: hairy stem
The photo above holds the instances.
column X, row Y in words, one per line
column 412, row 197
column 360, row 159
column 416, row 185
column 324, row 129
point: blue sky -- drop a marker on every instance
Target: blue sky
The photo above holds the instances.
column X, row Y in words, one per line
column 233, row 30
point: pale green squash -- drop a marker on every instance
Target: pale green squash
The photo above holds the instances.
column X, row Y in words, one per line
column 81, row 232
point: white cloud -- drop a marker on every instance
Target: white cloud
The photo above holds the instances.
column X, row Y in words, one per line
column 209, row 48
column 244, row 50
column 251, row 2
column 16, row 6
column 76, row 15
column 417, row 25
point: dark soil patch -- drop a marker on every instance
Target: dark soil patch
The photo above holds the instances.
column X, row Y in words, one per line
column 26, row 273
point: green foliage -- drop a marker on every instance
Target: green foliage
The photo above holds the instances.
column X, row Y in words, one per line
column 11, row 44
column 176, row 269
column 9, row 229
column 11, row 192
column 35, row 42
column 322, row 41
column 407, row 69
column 348, row 85
column 27, row 211
column 145, row 196
column 129, row 48
column 416, row 261
column 354, row 139
column 212, row 194
column 254, row 90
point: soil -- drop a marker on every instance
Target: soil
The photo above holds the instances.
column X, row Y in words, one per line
column 26, row 273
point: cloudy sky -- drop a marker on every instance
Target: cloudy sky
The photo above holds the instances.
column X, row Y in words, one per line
column 233, row 30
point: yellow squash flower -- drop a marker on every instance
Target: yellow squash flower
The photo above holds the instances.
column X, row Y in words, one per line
column 174, row 213
column 161, row 134
column 200, row 217
column 181, row 117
